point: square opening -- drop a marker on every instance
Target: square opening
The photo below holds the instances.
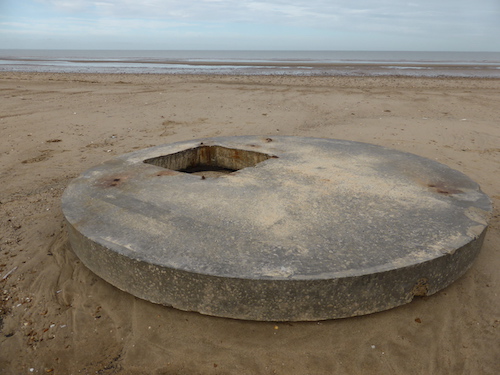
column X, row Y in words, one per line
column 209, row 161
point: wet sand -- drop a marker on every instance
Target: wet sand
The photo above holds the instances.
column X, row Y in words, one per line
column 296, row 67
column 57, row 317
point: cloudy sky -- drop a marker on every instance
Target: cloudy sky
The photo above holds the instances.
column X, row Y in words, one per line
column 421, row 25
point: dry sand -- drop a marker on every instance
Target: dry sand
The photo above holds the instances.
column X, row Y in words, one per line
column 60, row 318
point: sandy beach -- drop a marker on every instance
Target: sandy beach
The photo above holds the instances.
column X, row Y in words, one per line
column 57, row 317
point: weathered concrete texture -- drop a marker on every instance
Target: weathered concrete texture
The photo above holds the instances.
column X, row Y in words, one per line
column 276, row 229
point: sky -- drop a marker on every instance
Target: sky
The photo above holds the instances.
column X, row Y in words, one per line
column 357, row 25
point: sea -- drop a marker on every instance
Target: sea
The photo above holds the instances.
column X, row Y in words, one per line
column 298, row 63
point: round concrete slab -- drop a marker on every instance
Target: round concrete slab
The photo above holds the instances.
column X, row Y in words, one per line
column 276, row 229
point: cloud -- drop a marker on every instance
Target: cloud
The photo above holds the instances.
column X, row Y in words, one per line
column 204, row 9
column 326, row 20
column 327, row 14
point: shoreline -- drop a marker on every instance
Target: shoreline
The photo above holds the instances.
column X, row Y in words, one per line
column 210, row 76
column 273, row 71
column 268, row 67
column 304, row 63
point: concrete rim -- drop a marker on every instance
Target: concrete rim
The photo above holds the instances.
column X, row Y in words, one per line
column 446, row 209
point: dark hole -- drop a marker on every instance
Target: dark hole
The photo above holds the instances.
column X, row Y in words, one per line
column 209, row 161
column 206, row 168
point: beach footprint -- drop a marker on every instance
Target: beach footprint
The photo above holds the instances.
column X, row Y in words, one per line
column 44, row 155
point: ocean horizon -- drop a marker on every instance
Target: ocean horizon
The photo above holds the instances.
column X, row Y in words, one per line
column 254, row 62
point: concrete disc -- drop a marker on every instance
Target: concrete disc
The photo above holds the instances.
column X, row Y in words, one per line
column 276, row 229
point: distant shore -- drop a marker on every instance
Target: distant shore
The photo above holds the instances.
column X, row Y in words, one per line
column 299, row 63
column 257, row 68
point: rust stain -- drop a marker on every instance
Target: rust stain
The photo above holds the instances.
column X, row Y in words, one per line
column 205, row 153
column 421, row 288
column 112, row 181
column 441, row 188
column 236, row 154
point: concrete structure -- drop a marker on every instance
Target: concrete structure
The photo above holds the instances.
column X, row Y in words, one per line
column 276, row 229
